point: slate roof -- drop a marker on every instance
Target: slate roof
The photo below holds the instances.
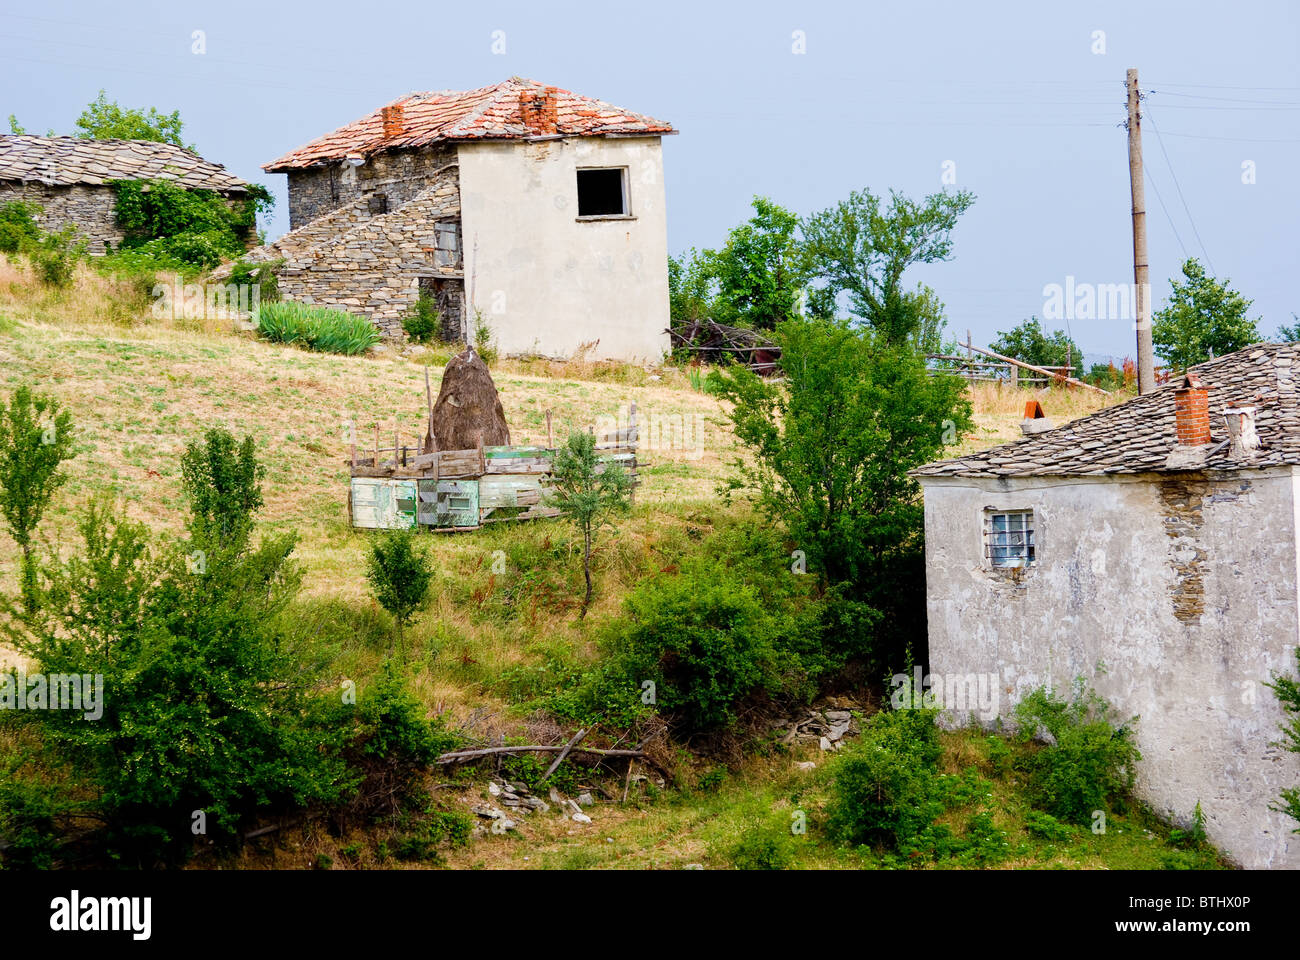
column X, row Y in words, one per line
column 1138, row 436
column 64, row 161
column 489, row 113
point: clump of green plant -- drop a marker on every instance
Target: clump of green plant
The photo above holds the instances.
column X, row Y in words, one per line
column 316, row 328
column 590, row 493
column 421, row 322
column 1088, row 763
column 18, row 229
column 399, row 574
column 199, row 227
column 263, row 276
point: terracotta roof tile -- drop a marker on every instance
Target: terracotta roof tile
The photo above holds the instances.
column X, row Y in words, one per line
column 489, row 113
column 64, row 161
column 1138, row 436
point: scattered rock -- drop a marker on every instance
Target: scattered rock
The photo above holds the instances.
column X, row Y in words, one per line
column 806, row 765
column 693, row 866
column 488, row 812
column 580, row 818
column 494, row 788
column 586, row 800
column 826, row 744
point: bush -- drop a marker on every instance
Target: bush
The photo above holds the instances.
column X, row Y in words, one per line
column 421, row 322
column 18, row 229
column 1090, row 762
column 199, row 227
column 317, row 328
column 885, row 790
column 764, row 849
column 55, row 257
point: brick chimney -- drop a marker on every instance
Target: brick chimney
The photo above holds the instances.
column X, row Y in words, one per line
column 1192, row 412
column 538, row 109
column 394, row 118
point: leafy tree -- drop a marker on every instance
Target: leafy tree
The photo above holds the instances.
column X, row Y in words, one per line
column 760, row 272
column 1030, row 343
column 1287, row 690
column 35, row 439
column 831, row 450
column 199, row 227
column 589, row 492
column 862, row 248
column 692, row 288
column 103, row 119
column 1203, row 317
column 1289, row 334
column 18, row 229
column 399, row 575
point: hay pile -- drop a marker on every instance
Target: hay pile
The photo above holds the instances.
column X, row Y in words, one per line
column 468, row 412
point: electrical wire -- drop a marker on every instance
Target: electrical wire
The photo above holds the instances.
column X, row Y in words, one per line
column 1178, row 187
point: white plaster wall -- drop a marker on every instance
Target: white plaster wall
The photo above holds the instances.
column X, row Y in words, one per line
column 1116, row 561
column 545, row 281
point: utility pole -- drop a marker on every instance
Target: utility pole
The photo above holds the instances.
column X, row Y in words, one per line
column 1141, row 278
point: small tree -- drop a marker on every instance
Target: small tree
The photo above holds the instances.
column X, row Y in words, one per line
column 1202, row 318
column 35, row 439
column 760, row 271
column 590, row 492
column 103, row 119
column 400, row 576
column 1030, row 343
column 222, row 484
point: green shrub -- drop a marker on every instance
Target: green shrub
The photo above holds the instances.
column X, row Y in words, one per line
column 1088, row 766
column 770, row 848
column 199, row 227
column 29, row 815
column 55, row 257
column 18, row 229
column 1047, row 827
column 421, row 322
column 885, row 790
column 317, row 328
column 264, row 276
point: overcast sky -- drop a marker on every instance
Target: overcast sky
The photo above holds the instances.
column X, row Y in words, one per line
column 1020, row 102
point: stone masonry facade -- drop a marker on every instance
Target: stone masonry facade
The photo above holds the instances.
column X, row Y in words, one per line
column 366, row 239
column 88, row 208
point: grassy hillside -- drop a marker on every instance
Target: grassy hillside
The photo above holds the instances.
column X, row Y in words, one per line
column 139, row 389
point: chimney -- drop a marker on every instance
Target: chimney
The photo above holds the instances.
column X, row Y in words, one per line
column 1035, row 420
column 394, row 118
column 1243, row 441
column 1192, row 412
column 538, row 109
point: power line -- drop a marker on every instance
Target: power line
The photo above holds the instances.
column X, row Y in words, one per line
column 1198, row 136
column 1201, row 96
column 1178, row 187
column 1182, row 246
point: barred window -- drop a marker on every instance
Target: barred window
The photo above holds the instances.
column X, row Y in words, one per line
column 1009, row 538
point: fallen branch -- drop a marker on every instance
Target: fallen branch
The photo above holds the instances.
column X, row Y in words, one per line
column 532, row 748
column 563, row 753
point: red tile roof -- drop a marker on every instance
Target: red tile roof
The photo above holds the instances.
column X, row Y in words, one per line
column 489, row 113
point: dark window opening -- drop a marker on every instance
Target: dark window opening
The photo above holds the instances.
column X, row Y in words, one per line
column 378, row 203
column 601, row 193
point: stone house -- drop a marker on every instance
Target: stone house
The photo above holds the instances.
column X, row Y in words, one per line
column 1151, row 549
column 534, row 208
column 68, row 178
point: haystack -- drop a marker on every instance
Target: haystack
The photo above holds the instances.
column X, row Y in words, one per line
column 468, row 412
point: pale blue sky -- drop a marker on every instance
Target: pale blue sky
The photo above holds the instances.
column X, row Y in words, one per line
column 1012, row 94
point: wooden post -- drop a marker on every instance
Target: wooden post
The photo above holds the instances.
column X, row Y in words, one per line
column 376, row 463
column 1141, row 267
column 550, row 444
column 970, row 368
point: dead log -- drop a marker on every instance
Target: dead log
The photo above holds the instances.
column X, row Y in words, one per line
column 563, row 753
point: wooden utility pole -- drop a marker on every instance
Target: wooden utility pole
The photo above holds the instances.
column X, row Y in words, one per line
column 1141, row 278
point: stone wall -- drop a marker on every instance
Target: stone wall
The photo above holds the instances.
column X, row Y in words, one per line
column 88, row 208
column 371, row 265
column 1174, row 596
column 398, row 175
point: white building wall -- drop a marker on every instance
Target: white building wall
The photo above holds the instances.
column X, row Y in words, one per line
column 1176, row 600
column 547, row 282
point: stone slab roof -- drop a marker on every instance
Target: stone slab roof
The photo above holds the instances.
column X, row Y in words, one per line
column 489, row 113
column 1138, row 436
column 65, row 161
